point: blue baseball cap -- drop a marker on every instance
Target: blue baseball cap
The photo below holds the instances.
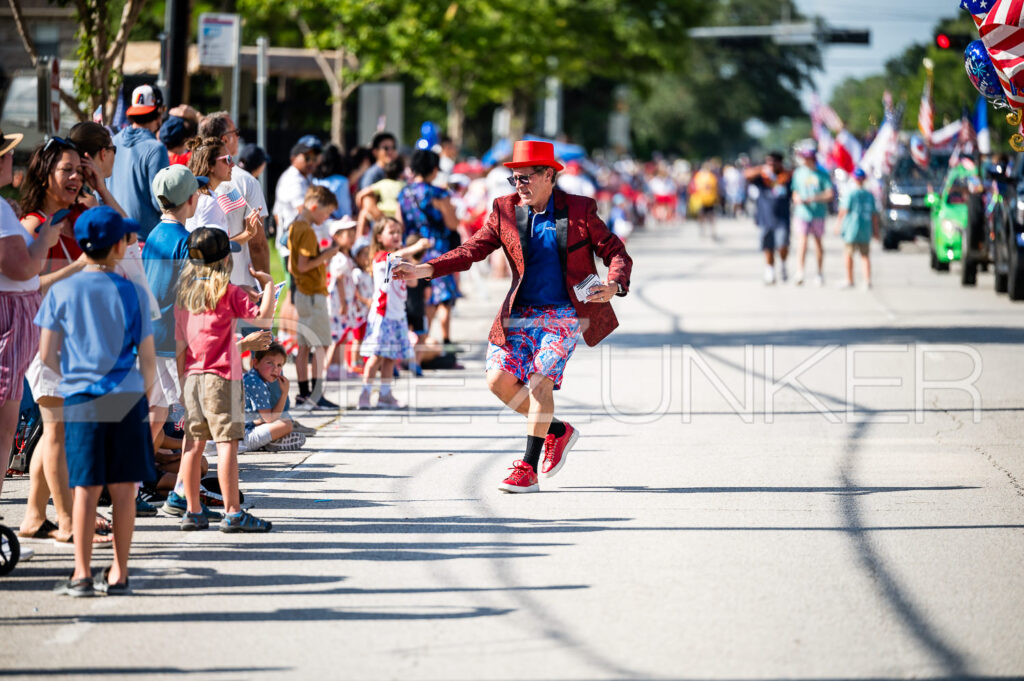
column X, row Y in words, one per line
column 311, row 142
column 173, row 133
column 859, row 173
column 102, row 227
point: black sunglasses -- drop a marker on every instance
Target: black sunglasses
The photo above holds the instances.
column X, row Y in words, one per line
column 66, row 144
column 521, row 179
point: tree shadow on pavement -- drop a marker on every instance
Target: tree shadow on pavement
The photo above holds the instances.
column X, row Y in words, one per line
column 74, row 672
column 435, row 612
column 763, row 490
column 820, row 337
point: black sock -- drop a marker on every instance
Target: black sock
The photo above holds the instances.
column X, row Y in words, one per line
column 557, row 428
column 533, row 447
column 303, row 388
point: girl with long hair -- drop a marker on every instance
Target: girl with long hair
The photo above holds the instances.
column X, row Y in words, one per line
column 206, row 310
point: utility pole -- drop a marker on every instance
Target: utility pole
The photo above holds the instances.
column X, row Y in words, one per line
column 175, row 52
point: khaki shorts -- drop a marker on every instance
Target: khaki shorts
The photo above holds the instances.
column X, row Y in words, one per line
column 862, row 247
column 168, row 392
column 314, row 323
column 214, row 408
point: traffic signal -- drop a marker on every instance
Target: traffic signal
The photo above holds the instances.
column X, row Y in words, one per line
column 953, row 41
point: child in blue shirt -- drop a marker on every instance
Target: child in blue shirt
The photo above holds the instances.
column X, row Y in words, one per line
column 98, row 323
column 267, row 422
column 858, row 220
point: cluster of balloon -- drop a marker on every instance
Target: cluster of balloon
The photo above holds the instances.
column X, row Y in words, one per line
column 982, row 74
column 429, row 135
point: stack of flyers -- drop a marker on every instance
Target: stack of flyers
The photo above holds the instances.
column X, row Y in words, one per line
column 583, row 288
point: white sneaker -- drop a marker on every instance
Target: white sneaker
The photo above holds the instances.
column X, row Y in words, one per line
column 799, row 279
column 782, row 271
column 866, row 286
column 846, row 285
column 819, row 281
column 769, row 275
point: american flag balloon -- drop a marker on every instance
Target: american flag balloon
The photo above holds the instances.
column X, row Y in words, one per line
column 1003, row 34
column 980, row 70
column 977, row 8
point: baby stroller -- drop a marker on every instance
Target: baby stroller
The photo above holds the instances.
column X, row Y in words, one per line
column 10, row 550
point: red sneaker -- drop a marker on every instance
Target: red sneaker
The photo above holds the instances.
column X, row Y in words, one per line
column 556, row 450
column 522, row 479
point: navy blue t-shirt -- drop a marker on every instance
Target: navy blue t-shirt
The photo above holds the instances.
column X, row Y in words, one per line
column 165, row 253
column 543, row 280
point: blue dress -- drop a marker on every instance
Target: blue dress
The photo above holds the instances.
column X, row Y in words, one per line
column 422, row 217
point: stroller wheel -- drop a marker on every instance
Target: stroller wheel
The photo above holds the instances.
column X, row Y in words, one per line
column 10, row 550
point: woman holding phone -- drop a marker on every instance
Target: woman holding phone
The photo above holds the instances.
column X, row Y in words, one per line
column 51, row 191
column 21, row 258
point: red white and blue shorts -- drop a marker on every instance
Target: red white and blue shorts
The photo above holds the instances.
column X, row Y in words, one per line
column 538, row 340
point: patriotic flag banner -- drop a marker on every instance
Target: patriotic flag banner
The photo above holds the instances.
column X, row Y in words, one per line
column 1003, row 33
column 877, row 161
column 230, row 200
column 97, row 115
column 120, row 119
column 919, row 151
column 944, row 137
column 981, row 125
column 967, row 140
column 925, row 113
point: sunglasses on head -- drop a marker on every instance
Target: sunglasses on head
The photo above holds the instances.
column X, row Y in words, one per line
column 514, row 180
column 61, row 142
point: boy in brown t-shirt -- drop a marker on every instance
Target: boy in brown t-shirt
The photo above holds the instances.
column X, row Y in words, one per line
column 307, row 264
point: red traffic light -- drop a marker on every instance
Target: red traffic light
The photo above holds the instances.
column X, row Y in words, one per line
column 942, row 40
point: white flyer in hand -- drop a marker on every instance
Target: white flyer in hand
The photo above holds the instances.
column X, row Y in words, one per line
column 583, row 288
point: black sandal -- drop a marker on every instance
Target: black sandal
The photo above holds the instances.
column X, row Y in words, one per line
column 45, row 531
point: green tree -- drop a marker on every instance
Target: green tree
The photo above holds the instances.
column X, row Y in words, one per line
column 104, row 27
column 858, row 101
column 701, row 109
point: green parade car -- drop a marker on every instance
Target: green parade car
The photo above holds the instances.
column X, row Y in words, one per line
column 951, row 214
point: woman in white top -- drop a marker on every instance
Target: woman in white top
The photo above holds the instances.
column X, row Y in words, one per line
column 210, row 158
column 21, row 259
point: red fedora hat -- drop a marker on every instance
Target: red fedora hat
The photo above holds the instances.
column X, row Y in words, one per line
column 526, row 153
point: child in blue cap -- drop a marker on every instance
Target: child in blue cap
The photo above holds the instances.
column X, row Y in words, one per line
column 94, row 325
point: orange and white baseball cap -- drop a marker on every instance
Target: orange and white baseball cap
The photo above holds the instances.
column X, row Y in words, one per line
column 145, row 99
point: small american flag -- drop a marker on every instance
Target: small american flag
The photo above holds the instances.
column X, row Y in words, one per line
column 231, row 200
column 925, row 114
column 1003, row 34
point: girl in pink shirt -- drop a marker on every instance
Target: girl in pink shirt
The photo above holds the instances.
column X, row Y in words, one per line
column 210, row 370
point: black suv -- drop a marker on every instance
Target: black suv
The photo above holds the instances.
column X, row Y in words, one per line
column 905, row 214
column 1004, row 240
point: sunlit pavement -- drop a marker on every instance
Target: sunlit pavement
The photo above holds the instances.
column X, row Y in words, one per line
column 771, row 482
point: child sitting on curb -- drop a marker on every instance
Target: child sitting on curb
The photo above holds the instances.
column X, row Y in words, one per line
column 268, row 425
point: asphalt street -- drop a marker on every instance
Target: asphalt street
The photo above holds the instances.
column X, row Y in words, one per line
column 772, row 482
